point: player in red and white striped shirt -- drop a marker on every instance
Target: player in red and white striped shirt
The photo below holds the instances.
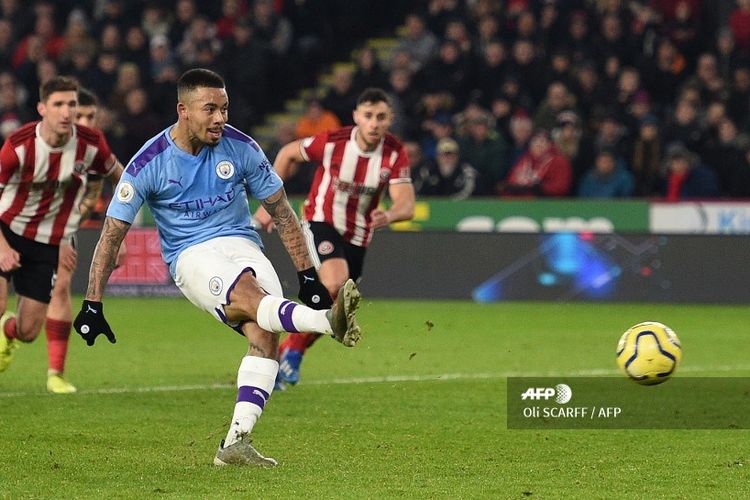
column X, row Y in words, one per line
column 59, row 320
column 43, row 172
column 355, row 166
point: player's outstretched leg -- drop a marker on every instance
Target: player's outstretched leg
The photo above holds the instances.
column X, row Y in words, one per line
column 8, row 341
column 276, row 314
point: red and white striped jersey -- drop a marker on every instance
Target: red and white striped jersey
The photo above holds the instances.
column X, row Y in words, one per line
column 42, row 187
column 349, row 182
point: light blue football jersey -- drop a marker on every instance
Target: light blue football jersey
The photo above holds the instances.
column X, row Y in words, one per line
column 195, row 198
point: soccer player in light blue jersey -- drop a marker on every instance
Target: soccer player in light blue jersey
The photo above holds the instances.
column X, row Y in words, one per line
column 194, row 177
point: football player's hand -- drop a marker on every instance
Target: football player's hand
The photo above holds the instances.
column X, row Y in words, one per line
column 9, row 259
column 379, row 218
column 312, row 292
column 90, row 323
column 68, row 257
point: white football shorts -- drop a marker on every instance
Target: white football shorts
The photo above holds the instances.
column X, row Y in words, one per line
column 207, row 272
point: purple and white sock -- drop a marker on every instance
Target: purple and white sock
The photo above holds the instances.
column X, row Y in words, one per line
column 277, row 314
column 255, row 380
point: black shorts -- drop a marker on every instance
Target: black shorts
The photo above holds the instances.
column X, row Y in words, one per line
column 330, row 244
column 35, row 278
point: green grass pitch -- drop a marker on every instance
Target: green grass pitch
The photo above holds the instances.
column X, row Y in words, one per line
column 417, row 410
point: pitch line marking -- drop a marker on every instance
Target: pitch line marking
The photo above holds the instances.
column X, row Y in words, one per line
column 595, row 372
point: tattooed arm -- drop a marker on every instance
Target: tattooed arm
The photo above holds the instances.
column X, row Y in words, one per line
column 105, row 256
column 289, row 229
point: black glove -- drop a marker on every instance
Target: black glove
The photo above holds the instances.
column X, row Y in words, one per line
column 90, row 322
column 312, row 292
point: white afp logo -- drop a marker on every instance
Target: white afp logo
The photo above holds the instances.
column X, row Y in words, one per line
column 561, row 392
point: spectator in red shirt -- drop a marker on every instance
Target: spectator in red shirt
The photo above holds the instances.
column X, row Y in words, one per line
column 541, row 171
column 44, row 29
column 686, row 177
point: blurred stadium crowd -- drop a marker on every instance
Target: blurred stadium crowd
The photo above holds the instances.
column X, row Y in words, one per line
column 131, row 52
column 590, row 98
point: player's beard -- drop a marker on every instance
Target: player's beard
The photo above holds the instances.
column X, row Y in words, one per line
column 214, row 136
column 371, row 141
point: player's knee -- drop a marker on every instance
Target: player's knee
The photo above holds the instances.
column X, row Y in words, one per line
column 246, row 295
column 28, row 331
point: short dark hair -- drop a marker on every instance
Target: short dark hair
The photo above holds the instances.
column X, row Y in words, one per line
column 374, row 95
column 198, row 77
column 86, row 97
column 57, row 84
